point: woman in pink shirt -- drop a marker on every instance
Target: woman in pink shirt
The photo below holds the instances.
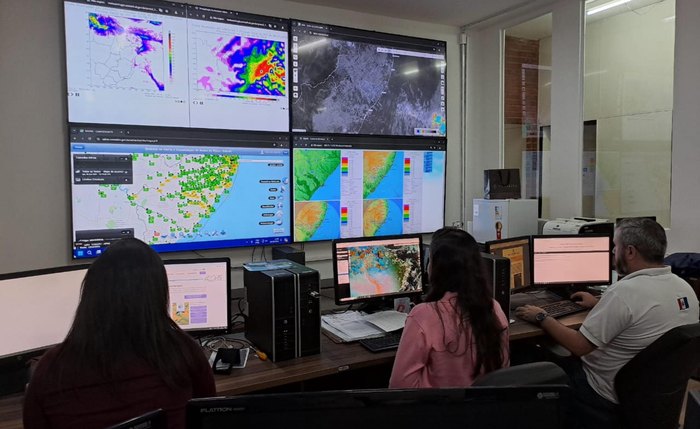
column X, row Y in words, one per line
column 460, row 331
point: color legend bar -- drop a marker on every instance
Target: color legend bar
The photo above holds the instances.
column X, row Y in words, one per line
column 343, row 215
column 344, row 167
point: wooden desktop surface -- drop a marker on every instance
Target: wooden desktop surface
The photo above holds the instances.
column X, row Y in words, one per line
column 260, row 375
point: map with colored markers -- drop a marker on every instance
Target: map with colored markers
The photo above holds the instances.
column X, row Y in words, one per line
column 187, row 197
column 378, row 270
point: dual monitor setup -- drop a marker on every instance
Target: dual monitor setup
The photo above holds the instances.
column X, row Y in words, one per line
column 44, row 303
column 193, row 127
column 556, row 261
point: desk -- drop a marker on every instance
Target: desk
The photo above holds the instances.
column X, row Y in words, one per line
column 261, row 375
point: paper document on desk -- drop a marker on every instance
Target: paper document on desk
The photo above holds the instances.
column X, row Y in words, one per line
column 350, row 326
column 388, row 321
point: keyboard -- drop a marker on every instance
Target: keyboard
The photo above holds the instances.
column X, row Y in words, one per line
column 562, row 308
column 390, row 341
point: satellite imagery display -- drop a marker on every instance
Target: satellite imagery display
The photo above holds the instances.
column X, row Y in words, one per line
column 355, row 87
column 380, row 270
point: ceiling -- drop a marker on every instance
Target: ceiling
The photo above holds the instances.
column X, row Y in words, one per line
column 448, row 12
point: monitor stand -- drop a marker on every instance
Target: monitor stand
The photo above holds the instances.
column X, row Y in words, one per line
column 377, row 305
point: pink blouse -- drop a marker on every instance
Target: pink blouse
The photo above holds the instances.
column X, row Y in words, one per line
column 434, row 353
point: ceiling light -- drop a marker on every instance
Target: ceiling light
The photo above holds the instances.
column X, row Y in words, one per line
column 606, row 6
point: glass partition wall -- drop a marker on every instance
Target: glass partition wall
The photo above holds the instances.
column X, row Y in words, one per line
column 625, row 149
column 628, row 99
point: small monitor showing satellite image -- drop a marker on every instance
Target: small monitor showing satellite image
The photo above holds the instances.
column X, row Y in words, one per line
column 353, row 81
column 368, row 269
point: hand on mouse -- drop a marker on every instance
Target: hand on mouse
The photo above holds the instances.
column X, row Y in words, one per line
column 584, row 299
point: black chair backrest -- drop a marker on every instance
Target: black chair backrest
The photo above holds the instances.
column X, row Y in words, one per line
column 692, row 410
column 528, row 374
column 151, row 420
column 651, row 386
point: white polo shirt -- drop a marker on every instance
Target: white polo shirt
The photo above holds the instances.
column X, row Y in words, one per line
column 630, row 315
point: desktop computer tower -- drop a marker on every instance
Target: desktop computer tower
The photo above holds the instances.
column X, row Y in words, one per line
column 284, row 318
column 498, row 269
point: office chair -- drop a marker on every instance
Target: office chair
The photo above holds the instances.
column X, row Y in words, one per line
column 528, row 374
column 651, row 386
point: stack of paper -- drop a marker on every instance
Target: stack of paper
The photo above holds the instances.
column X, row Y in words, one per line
column 356, row 325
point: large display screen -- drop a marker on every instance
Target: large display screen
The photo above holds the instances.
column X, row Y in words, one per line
column 170, row 64
column 362, row 82
column 352, row 186
column 178, row 189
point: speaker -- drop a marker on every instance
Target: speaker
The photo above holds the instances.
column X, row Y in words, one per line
column 290, row 253
column 498, row 269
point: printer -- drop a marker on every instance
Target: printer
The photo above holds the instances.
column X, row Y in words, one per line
column 578, row 225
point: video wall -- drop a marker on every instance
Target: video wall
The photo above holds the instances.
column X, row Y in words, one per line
column 193, row 127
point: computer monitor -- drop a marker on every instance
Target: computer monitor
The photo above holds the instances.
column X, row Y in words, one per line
column 571, row 260
column 517, row 250
column 156, row 63
column 178, row 189
column 377, row 269
column 353, row 81
column 200, row 294
column 151, row 420
column 39, row 309
column 492, row 407
column 38, row 312
column 360, row 186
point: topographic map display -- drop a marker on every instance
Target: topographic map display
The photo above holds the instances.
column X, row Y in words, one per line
column 352, row 87
column 316, row 194
column 384, row 269
column 126, row 53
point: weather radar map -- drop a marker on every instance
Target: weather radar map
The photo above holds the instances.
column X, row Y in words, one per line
column 317, row 194
column 351, row 86
column 384, row 269
column 126, row 53
column 242, row 65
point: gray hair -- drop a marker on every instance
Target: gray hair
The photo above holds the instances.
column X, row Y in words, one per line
column 647, row 236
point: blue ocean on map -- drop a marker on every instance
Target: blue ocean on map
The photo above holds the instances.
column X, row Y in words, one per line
column 330, row 190
column 393, row 224
column 392, row 184
column 242, row 221
column 330, row 226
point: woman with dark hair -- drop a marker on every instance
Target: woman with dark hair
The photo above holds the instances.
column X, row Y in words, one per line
column 124, row 355
column 460, row 331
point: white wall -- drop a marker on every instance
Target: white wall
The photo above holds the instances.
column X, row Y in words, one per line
column 34, row 178
column 685, row 160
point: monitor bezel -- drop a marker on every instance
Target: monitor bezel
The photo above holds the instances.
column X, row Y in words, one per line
column 577, row 283
column 209, row 331
column 376, row 298
column 529, row 285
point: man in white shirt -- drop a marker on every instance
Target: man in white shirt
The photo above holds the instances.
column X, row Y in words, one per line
column 646, row 303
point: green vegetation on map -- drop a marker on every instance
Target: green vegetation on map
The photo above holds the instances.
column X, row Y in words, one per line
column 194, row 186
column 311, row 170
column 309, row 219
column 376, row 167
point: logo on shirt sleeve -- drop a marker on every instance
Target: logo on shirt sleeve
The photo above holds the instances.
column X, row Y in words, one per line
column 683, row 303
